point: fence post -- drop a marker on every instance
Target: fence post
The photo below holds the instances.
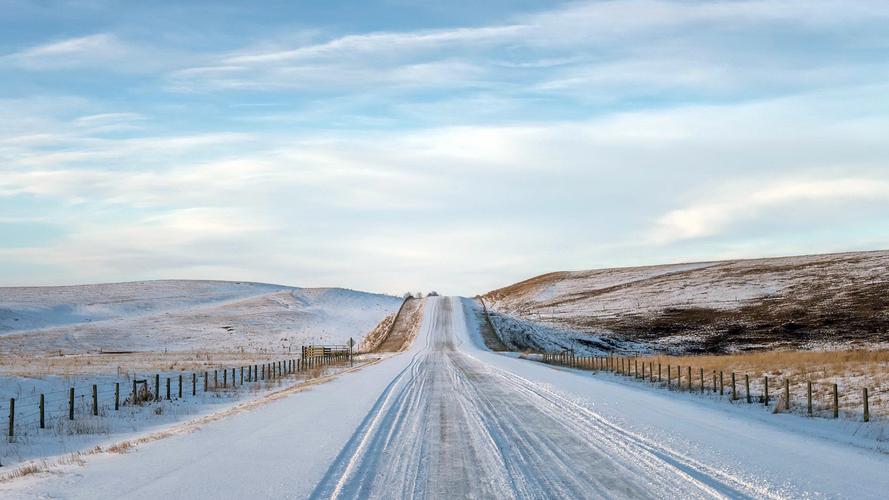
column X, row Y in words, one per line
column 714, row 381
column 116, row 396
column 71, row 404
column 668, row 377
column 11, row 416
column 215, row 379
column 765, row 394
column 233, row 377
column 225, row 378
column 787, row 394
column 747, row 386
column 721, row 385
column 135, row 393
column 157, row 387
column 866, row 407
column 180, row 386
column 689, row 379
column 658, row 372
column 836, row 402
column 205, row 381
column 242, row 375
column 809, row 397
column 168, row 388
column 702, row 380
column 194, row 383
column 42, row 412
column 95, row 401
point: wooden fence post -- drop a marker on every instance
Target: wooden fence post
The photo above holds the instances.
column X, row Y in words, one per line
column 714, row 381
column 765, row 393
column 135, row 392
column 809, row 397
column 95, row 401
column 668, row 377
column 71, row 404
column 42, row 412
column 11, row 417
column 215, row 379
column 689, row 378
column 168, row 388
column 116, row 396
column 225, row 378
column 658, row 372
column 721, row 385
column 836, row 402
column 233, row 377
column 194, row 384
column 157, row 387
column 180, row 386
column 787, row 394
column 205, row 381
column 747, row 386
column 866, row 407
column 702, row 380
column 242, row 375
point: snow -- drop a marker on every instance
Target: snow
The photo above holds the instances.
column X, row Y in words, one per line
column 450, row 418
column 822, row 293
column 184, row 316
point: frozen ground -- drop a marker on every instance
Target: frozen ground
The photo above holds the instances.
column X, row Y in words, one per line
column 447, row 418
column 61, row 435
column 810, row 302
column 159, row 316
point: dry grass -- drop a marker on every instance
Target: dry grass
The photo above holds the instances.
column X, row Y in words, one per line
column 122, row 447
column 850, row 370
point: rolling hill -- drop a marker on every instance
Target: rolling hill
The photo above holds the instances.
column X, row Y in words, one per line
column 808, row 302
column 183, row 315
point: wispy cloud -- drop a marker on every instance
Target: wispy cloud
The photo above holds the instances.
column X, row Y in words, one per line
column 715, row 217
column 91, row 50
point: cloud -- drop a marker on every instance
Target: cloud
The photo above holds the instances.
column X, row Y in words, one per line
column 714, row 217
column 457, row 158
column 86, row 51
column 613, row 49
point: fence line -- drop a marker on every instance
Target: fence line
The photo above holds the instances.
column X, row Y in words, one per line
column 33, row 412
column 698, row 383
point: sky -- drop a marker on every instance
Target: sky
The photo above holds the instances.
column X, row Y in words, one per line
column 421, row 145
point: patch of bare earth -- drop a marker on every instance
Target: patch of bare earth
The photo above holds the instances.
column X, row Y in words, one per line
column 404, row 328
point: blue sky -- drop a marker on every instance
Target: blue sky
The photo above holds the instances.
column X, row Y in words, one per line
column 424, row 145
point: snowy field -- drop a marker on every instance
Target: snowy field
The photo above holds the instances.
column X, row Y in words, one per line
column 504, row 427
column 811, row 302
column 56, row 338
column 62, row 437
column 159, row 316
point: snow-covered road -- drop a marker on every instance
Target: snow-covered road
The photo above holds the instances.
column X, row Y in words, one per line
column 449, row 419
column 451, row 425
